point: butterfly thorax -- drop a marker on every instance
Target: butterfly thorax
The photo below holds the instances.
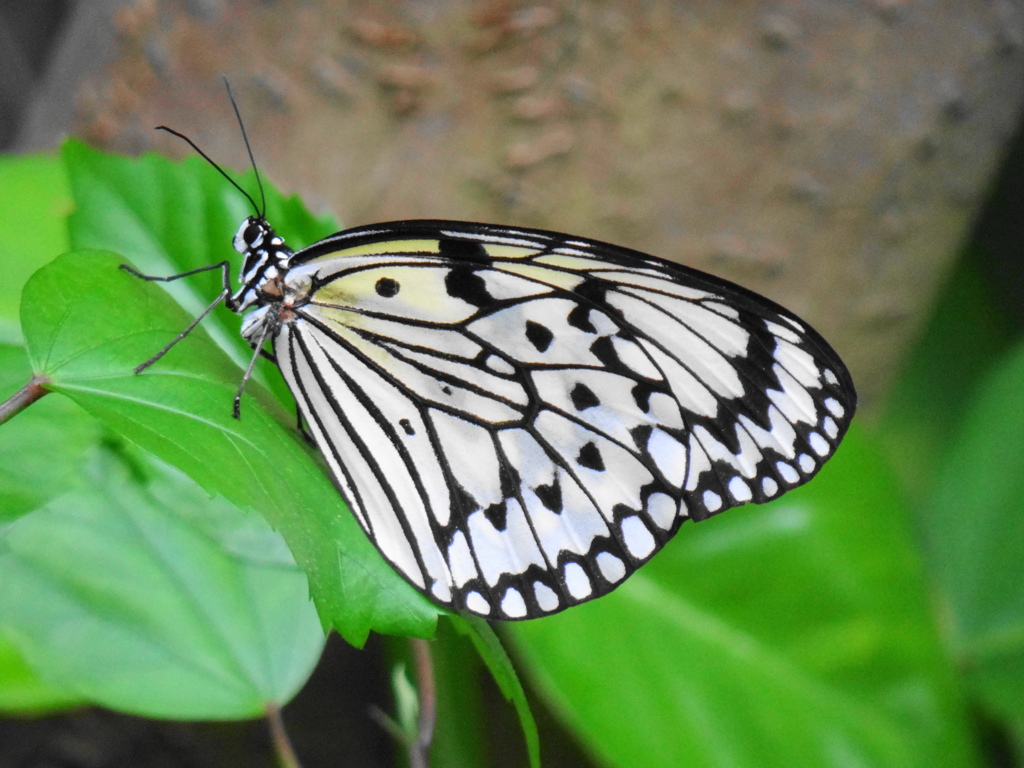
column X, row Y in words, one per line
column 265, row 260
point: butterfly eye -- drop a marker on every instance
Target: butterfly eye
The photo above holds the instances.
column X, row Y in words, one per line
column 252, row 234
column 387, row 287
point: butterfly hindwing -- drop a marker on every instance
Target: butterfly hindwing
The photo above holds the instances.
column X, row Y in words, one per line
column 520, row 419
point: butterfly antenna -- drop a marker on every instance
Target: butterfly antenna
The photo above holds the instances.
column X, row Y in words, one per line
column 208, row 159
column 248, row 148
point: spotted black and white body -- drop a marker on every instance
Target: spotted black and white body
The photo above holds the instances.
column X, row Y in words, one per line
column 519, row 419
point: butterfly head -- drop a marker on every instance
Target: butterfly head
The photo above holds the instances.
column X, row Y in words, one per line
column 265, row 259
column 253, row 232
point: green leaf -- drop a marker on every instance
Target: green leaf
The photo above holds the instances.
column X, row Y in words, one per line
column 36, row 199
column 88, row 324
column 795, row 634
column 974, row 535
column 22, row 691
column 43, row 448
column 463, row 717
column 927, row 404
column 489, row 647
column 113, row 594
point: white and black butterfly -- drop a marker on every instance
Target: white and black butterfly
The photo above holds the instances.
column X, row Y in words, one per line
column 519, row 419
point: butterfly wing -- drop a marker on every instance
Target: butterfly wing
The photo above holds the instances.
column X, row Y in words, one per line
column 519, row 419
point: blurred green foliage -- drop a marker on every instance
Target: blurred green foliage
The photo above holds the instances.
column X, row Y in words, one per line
column 866, row 619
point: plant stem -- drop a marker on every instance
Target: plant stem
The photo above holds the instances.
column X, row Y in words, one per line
column 419, row 750
column 23, row 398
column 286, row 756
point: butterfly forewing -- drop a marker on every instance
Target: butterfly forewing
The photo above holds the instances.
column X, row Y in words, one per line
column 520, row 419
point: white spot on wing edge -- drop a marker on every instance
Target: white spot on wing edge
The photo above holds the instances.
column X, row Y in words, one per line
column 739, row 490
column 819, row 444
column 547, row 598
column 512, row 604
column 637, row 538
column 477, row 604
column 806, row 462
column 769, row 486
column 662, row 510
column 577, row 581
column 712, row 501
column 834, row 407
column 612, row 568
column 787, row 472
column 441, row 590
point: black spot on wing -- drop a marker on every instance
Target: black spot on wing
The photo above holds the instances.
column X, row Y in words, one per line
column 465, row 251
column 583, row 397
column 407, row 426
column 539, row 335
column 579, row 318
column 550, row 495
column 593, row 291
column 497, row 515
column 590, row 457
column 604, row 350
column 642, row 433
column 463, row 282
column 642, row 394
column 387, row 287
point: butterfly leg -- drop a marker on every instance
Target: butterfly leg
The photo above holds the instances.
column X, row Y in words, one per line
column 224, row 266
column 258, row 346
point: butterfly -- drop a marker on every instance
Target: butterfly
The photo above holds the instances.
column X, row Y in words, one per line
column 518, row 418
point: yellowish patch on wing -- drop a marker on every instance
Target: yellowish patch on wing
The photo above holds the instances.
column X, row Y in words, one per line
column 334, row 316
column 382, row 247
column 422, row 294
column 574, row 262
column 340, row 322
column 498, row 251
column 553, row 277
